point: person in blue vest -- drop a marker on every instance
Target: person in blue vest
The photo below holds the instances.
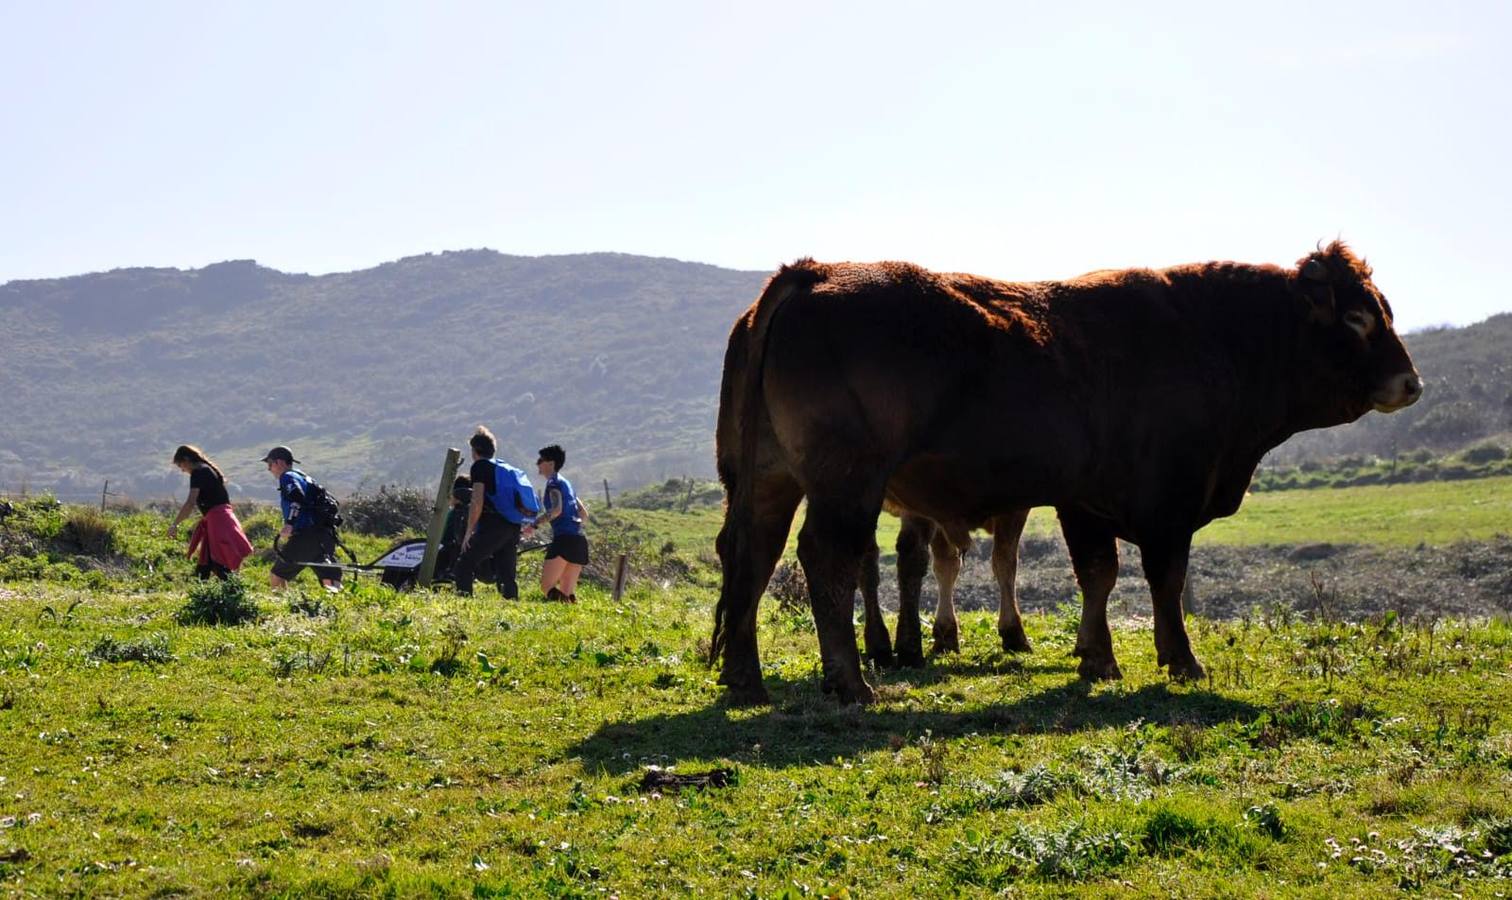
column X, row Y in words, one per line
column 568, row 551
column 503, row 503
column 304, row 538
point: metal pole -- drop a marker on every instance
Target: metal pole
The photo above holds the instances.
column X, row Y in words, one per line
column 438, row 516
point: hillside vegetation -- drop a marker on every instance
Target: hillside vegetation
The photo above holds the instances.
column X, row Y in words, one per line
column 370, row 375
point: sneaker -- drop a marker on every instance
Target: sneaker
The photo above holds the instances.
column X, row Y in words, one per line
column 555, row 595
column 571, row 598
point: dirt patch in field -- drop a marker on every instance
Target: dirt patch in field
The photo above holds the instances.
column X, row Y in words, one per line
column 1344, row 581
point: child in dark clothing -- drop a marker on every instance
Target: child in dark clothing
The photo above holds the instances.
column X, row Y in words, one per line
column 456, row 526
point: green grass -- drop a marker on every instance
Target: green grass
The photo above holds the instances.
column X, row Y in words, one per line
column 429, row 745
column 384, row 744
column 1434, row 513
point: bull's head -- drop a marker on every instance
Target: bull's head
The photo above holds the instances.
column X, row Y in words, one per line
column 1354, row 360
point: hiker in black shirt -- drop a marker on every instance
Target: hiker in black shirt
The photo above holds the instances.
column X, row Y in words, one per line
column 491, row 534
column 218, row 538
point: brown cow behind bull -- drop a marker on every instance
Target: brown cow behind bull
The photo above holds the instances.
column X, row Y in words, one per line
column 1137, row 402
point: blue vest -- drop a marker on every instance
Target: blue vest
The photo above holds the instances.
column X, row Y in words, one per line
column 568, row 522
column 512, row 494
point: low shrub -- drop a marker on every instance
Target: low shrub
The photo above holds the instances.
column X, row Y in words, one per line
column 148, row 650
column 217, row 602
column 390, row 511
column 1487, row 452
column 789, row 588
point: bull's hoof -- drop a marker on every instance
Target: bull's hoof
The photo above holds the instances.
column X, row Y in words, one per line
column 947, row 640
column 860, row 693
column 747, row 695
column 1014, row 640
column 911, row 657
column 1093, row 669
column 882, row 658
column 1188, row 670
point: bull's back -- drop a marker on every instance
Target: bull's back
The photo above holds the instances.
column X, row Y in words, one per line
column 887, row 358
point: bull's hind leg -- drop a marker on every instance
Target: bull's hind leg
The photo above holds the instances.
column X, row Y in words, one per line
column 946, row 556
column 1006, row 531
column 749, row 544
column 1165, row 567
column 878, row 641
column 1094, row 556
column 914, row 536
column 831, row 544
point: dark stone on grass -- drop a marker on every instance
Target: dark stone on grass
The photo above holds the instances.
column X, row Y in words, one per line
column 662, row 781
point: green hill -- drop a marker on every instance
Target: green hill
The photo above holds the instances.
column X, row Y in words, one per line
column 369, row 375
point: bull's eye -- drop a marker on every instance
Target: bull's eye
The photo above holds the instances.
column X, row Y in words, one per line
column 1360, row 322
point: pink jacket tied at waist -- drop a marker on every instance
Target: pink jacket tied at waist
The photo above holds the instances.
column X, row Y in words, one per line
column 219, row 537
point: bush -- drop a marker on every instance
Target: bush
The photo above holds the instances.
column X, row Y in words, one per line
column 1481, row 454
column 789, row 588
column 390, row 511
column 87, row 531
column 217, row 602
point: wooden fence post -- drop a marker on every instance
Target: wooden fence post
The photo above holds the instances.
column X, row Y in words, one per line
column 608, row 504
column 438, row 516
column 621, row 570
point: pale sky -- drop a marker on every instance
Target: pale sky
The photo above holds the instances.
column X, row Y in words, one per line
column 1016, row 140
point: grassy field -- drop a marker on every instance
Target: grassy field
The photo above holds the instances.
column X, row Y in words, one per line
column 387, row 744
column 1434, row 513
column 426, row 745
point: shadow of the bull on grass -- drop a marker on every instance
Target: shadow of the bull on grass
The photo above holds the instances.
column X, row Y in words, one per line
column 803, row 727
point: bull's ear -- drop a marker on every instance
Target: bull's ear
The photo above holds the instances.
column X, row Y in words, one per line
column 1315, row 286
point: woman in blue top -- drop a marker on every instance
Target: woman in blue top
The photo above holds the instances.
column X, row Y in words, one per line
column 568, row 551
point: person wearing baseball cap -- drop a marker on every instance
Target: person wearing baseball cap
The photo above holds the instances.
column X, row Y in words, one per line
column 305, row 538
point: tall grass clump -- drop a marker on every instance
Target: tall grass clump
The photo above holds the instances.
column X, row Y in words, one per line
column 88, row 531
column 216, row 602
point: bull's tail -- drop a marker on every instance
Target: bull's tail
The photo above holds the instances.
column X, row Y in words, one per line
column 742, row 423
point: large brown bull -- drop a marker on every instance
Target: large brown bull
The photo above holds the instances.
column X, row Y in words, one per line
column 1138, row 402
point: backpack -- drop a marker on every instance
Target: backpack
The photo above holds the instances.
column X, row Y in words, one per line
column 513, row 494
column 322, row 506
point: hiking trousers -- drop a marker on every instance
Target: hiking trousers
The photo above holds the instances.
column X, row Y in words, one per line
column 495, row 539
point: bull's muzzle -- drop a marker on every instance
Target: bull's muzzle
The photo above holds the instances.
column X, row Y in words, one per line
column 1399, row 392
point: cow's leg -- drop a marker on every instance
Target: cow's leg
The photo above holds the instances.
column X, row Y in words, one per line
column 749, row 545
column 1006, row 531
column 1165, row 568
column 831, row 544
column 878, row 641
column 946, row 557
column 914, row 535
column 1094, row 556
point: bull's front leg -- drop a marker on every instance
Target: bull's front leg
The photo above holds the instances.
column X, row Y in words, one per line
column 1094, row 555
column 1165, row 568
